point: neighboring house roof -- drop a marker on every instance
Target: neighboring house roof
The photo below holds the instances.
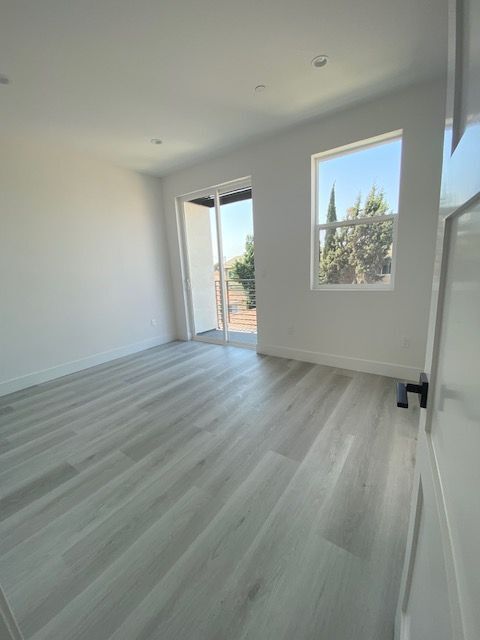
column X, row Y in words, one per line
column 229, row 263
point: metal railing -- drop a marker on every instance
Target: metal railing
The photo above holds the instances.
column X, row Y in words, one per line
column 241, row 305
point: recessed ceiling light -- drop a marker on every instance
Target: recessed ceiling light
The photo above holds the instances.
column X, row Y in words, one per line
column 319, row 61
column 4, row 79
column 156, row 141
column 260, row 88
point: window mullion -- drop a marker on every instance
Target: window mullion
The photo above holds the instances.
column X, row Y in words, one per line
column 356, row 221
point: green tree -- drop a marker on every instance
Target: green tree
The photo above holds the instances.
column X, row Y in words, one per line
column 331, row 217
column 244, row 271
column 330, row 256
column 345, row 258
column 356, row 254
column 370, row 243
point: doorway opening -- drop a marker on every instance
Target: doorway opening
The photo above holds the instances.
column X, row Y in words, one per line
column 220, row 267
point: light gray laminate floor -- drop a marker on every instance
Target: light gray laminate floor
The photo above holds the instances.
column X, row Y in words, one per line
column 196, row 492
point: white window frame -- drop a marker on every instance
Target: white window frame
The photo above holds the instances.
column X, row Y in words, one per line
column 317, row 227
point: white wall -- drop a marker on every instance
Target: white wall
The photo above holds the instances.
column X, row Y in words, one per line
column 83, row 263
column 200, row 257
column 360, row 329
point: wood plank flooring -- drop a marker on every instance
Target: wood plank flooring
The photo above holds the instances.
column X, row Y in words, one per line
column 199, row 492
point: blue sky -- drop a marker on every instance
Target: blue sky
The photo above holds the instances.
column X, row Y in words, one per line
column 237, row 223
column 355, row 173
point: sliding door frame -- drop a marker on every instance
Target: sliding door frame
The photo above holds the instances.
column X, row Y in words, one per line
column 221, row 268
column 217, row 191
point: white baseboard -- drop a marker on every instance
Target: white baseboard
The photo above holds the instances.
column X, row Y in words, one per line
column 37, row 377
column 388, row 369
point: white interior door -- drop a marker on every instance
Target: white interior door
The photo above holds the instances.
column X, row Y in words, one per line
column 440, row 597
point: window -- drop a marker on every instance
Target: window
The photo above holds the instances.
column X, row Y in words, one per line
column 355, row 214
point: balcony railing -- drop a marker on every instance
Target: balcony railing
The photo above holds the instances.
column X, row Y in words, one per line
column 241, row 305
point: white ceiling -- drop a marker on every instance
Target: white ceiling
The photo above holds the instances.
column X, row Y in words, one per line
column 108, row 75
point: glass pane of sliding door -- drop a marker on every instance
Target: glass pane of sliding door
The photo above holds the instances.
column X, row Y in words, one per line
column 204, row 287
column 221, row 270
column 239, row 267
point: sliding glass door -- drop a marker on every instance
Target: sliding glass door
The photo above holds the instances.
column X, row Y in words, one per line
column 220, row 267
